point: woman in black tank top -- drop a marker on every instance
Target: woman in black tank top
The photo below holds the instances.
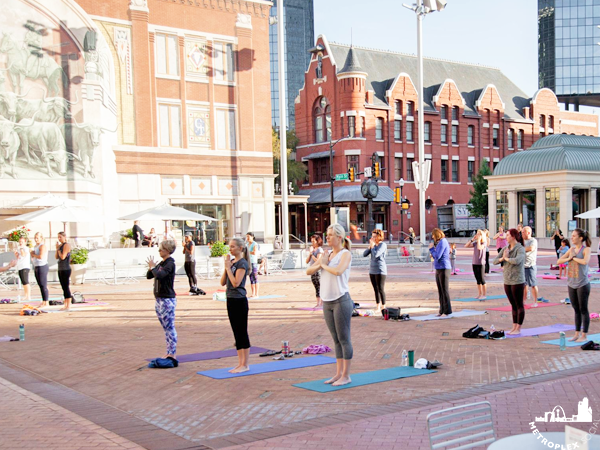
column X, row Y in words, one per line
column 63, row 257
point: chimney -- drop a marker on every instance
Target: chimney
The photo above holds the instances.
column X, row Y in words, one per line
column 526, row 112
column 370, row 95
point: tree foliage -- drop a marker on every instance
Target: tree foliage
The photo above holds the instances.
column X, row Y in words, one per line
column 296, row 171
column 478, row 205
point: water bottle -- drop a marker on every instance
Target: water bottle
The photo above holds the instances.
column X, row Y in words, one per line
column 492, row 328
column 528, row 294
column 563, row 340
column 404, row 358
column 22, row 332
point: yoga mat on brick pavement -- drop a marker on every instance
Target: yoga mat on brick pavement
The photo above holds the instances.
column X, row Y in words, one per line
column 262, row 297
column 463, row 313
column 509, row 308
column 273, row 366
column 314, row 308
column 364, row 378
column 590, row 337
column 214, row 355
column 473, row 299
column 527, row 332
column 551, row 277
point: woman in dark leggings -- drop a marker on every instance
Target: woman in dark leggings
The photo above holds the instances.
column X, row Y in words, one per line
column 315, row 252
column 39, row 255
column 513, row 257
column 63, row 257
column 479, row 244
column 440, row 250
column 579, row 284
column 378, row 267
column 190, row 262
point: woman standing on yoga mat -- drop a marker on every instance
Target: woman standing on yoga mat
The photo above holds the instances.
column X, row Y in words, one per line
column 234, row 278
column 513, row 258
column 24, row 266
column 39, row 255
column 378, row 267
column 314, row 255
column 164, row 293
column 63, row 257
column 190, row 262
column 478, row 243
column 337, row 304
column 440, row 251
column 501, row 242
column 579, row 284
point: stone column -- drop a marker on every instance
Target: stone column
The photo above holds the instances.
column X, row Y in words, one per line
column 540, row 212
column 592, row 222
column 566, row 209
column 492, row 212
column 513, row 209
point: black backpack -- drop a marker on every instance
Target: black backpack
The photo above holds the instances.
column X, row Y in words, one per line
column 473, row 333
column 391, row 313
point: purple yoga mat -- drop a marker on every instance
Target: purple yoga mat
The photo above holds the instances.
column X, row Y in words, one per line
column 215, row 355
column 528, row 332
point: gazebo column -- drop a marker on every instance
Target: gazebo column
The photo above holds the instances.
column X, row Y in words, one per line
column 540, row 212
column 513, row 209
column 492, row 212
column 592, row 222
column 566, row 208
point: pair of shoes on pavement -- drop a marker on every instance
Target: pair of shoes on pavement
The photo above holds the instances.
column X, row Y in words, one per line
column 543, row 300
column 196, row 291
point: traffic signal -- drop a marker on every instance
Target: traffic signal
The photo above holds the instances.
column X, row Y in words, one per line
column 405, row 204
column 376, row 170
column 397, row 198
column 351, row 174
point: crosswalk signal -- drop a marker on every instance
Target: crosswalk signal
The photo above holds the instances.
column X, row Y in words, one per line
column 405, row 204
column 376, row 170
column 351, row 174
column 397, row 198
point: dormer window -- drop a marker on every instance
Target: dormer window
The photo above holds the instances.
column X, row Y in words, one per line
column 444, row 112
column 322, row 120
column 455, row 113
column 410, row 109
column 398, row 107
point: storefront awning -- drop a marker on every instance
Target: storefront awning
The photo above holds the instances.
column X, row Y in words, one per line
column 346, row 194
column 317, row 155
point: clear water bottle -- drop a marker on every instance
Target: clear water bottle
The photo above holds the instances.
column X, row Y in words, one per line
column 528, row 294
column 492, row 328
column 22, row 332
column 404, row 358
column 563, row 340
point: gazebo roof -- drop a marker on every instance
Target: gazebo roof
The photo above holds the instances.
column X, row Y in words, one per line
column 554, row 153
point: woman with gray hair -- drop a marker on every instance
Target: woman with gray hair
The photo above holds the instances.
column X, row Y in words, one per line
column 337, row 304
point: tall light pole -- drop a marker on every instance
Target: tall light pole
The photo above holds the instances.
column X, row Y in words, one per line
column 282, row 127
column 421, row 8
column 401, row 184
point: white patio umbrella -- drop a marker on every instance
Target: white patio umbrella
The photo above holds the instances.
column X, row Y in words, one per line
column 47, row 201
column 591, row 214
column 166, row 213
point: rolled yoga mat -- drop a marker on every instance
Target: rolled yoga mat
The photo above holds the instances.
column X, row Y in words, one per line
column 509, row 308
column 473, row 299
column 528, row 332
column 463, row 313
column 364, row 378
column 218, row 354
column 273, row 366
column 590, row 337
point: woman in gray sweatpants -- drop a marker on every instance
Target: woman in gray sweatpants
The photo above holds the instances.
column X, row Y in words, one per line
column 337, row 304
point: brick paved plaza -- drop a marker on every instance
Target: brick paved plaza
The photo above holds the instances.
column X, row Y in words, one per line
column 80, row 379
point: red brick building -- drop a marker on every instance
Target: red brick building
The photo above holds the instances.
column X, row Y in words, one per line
column 472, row 114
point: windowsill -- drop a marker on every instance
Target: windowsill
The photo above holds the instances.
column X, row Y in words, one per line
column 410, row 118
column 450, row 182
column 410, row 142
column 357, row 138
column 471, row 146
column 168, row 77
column 322, row 183
column 197, row 80
column 455, row 145
column 496, row 148
column 428, row 143
column 397, row 142
column 511, row 149
column 379, row 140
column 444, row 145
column 487, row 148
column 470, row 183
column 224, row 83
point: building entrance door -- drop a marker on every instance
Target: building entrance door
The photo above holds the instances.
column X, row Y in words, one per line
column 526, row 201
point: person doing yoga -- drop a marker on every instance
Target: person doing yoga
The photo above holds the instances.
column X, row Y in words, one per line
column 39, row 255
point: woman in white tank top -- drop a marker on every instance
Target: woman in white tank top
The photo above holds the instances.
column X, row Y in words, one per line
column 337, row 304
column 24, row 266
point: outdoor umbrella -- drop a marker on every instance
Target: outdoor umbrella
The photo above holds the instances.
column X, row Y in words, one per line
column 167, row 212
column 47, row 201
column 591, row 214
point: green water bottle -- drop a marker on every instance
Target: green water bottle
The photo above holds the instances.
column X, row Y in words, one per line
column 22, row 332
column 563, row 340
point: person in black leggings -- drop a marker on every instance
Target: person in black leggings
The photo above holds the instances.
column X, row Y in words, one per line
column 63, row 257
column 190, row 262
column 39, row 255
column 378, row 267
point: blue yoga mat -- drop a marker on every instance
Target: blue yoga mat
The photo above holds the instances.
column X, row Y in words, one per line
column 473, row 299
column 273, row 366
column 590, row 337
column 364, row 378
column 262, row 297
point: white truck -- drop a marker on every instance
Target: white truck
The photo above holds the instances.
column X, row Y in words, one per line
column 455, row 220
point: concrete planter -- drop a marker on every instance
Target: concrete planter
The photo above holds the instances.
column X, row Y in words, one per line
column 78, row 273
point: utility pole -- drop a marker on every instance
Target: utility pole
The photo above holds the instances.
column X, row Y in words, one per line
column 282, row 127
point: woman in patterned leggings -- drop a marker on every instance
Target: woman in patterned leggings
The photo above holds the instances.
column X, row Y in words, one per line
column 314, row 255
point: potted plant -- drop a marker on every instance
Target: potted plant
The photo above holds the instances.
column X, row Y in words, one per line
column 79, row 259
column 217, row 250
column 128, row 234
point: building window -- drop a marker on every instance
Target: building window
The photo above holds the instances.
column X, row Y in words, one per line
column 501, row 209
column 454, row 171
column 511, row 137
column 351, row 126
column 322, row 120
column 495, row 137
column 427, row 131
column 470, row 169
column 552, row 210
column 444, row 112
column 455, row 113
column 409, row 131
column 410, row 109
column 542, row 121
column 226, row 129
column 363, row 127
column 379, row 128
column 455, row 134
column 381, row 160
column 397, row 130
column 170, row 125
column 353, row 163
column 551, row 123
column 321, row 170
column 397, row 168
column 444, row 134
column 444, row 167
column 409, row 169
column 398, row 107
column 223, row 62
column 167, row 55
column 342, row 127
column 471, row 132
column 494, row 164
column 520, row 139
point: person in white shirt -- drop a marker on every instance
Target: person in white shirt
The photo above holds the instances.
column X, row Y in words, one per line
column 24, row 266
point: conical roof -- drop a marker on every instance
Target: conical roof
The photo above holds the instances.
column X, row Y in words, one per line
column 352, row 64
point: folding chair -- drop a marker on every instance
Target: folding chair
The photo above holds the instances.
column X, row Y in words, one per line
column 7, row 278
column 462, row 427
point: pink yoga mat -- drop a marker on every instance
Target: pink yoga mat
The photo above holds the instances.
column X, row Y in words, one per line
column 509, row 308
column 551, row 277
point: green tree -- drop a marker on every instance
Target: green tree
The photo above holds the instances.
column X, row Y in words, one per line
column 478, row 205
column 296, row 171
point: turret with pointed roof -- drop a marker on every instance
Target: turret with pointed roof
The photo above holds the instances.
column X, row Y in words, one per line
column 352, row 67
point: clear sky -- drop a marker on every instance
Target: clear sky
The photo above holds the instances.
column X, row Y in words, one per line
column 497, row 33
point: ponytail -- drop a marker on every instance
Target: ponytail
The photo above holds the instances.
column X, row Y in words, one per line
column 585, row 236
column 339, row 231
column 347, row 244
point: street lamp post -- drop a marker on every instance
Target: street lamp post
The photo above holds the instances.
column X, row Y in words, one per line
column 331, row 175
column 401, row 184
column 421, row 8
column 282, row 127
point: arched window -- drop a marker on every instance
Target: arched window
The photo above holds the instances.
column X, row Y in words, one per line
column 322, row 120
column 511, row 138
column 398, row 107
column 455, row 113
column 520, row 139
column 444, row 112
column 428, row 204
column 410, row 109
column 450, row 202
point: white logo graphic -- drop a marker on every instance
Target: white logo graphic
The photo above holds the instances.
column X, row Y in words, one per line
column 584, row 414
